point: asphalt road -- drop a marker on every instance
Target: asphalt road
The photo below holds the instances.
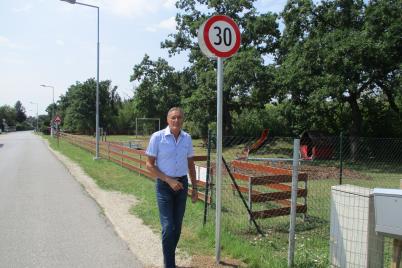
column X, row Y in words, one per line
column 46, row 218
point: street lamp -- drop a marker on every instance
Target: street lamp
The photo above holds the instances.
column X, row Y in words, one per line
column 37, row 117
column 51, row 120
column 97, row 78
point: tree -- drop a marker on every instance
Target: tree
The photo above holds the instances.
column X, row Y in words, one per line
column 158, row 88
column 125, row 120
column 339, row 52
column 20, row 115
column 246, row 76
column 78, row 106
column 8, row 114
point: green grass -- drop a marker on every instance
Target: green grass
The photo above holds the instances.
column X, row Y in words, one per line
column 196, row 239
column 239, row 239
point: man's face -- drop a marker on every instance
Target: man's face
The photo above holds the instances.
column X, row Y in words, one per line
column 175, row 121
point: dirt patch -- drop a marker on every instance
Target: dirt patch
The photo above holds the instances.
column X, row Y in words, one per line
column 318, row 173
column 322, row 172
column 313, row 172
column 209, row 262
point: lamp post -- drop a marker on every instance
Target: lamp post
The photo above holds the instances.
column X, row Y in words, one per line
column 51, row 120
column 37, row 117
column 97, row 77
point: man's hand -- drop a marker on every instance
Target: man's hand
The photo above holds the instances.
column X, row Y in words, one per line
column 174, row 184
column 194, row 195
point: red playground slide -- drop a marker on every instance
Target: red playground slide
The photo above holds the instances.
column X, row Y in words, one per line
column 257, row 145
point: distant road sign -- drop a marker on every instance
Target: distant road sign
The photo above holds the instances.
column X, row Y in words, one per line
column 219, row 36
column 57, row 119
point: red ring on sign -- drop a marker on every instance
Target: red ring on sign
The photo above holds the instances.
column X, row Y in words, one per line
column 208, row 43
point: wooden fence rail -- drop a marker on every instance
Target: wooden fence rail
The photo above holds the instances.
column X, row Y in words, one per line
column 132, row 159
column 272, row 178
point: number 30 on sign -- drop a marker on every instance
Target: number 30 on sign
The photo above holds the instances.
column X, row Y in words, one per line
column 219, row 36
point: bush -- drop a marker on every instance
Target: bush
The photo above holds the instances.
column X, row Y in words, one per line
column 45, row 130
column 23, row 126
column 192, row 129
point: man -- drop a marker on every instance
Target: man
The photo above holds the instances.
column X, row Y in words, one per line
column 170, row 156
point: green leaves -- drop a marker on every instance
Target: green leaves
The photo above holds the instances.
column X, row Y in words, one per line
column 78, row 106
column 339, row 51
column 158, row 89
column 246, row 77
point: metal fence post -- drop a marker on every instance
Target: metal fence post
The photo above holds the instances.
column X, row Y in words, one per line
column 208, row 175
column 340, row 157
column 250, row 203
column 292, row 227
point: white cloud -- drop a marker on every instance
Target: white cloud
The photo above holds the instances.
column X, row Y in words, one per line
column 60, row 42
column 25, row 8
column 4, row 41
column 169, row 3
column 12, row 59
column 131, row 8
column 169, row 24
column 150, row 29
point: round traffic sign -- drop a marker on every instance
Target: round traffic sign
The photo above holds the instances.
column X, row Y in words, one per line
column 57, row 119
column 219, row 36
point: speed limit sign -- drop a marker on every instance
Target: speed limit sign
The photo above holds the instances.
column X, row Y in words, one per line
column 219, row 37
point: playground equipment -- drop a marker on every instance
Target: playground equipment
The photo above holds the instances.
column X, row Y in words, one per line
column 315, row 145
column 255, row 146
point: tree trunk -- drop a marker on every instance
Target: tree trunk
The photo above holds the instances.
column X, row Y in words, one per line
column 356, row 126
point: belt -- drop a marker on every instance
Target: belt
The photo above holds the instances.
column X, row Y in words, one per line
column 181, row 178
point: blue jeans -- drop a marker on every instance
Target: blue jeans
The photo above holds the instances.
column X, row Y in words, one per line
column 172, row 206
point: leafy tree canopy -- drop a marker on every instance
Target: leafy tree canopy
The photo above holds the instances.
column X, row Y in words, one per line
column 246, row 75
column 78, row 106
column 20, row 115
column 341, row 52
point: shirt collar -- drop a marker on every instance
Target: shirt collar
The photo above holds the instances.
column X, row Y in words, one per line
column 168, row 132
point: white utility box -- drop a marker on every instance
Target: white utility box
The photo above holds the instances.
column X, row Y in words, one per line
column 353, row 240
column 388, row 212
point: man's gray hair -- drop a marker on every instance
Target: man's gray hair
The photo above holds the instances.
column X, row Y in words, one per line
column 180, row 110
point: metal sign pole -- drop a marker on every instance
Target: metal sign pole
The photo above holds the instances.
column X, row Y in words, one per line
column 210, row 40
column 218, row 158
column 292, row 227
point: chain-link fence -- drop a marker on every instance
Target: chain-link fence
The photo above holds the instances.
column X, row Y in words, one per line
column 336, row 175
column 256, row 196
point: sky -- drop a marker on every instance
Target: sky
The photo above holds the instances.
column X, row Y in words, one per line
column 51, row 42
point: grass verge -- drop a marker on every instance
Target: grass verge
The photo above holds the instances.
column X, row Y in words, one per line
column 196, row 239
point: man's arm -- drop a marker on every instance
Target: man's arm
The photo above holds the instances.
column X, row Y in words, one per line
column 174, row 184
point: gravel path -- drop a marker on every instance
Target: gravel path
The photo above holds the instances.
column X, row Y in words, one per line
column 142, row 241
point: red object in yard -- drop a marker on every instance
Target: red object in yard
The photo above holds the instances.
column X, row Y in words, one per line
column 261, row 141
column 305, row 153
column 316, row 145
column 255, row 146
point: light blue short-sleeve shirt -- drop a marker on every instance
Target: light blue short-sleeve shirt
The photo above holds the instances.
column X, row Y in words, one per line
column 171, row 156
